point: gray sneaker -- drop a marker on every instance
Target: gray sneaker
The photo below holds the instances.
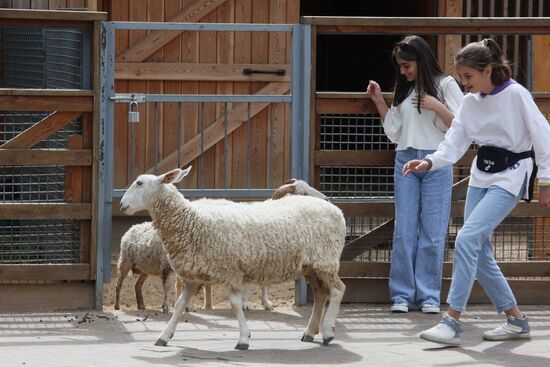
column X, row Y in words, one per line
column 446, row 332
column 400, row 307
column 512, row 329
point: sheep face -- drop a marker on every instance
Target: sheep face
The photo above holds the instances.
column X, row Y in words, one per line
column 144, row 188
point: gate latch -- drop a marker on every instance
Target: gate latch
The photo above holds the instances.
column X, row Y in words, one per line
column 248, row 71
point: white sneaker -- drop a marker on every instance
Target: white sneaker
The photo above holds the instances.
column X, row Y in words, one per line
column 430, row 308
column 400, row 307
column 446, row 332
column 512, row 329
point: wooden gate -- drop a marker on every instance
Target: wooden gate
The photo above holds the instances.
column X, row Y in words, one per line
column 48, row 162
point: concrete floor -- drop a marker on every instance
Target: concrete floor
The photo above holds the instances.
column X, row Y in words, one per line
column 366, row 335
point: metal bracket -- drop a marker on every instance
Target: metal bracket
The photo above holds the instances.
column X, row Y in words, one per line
column 248, row 71
column 128, row 97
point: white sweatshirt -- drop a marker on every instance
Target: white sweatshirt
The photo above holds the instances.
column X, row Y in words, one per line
column 409, row 129
column 509, row 119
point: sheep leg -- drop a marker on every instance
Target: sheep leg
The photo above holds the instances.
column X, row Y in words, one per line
column 320, row 297
column 118, row 288
column 265, row 300
column 336, row 288
column 235, row 297
column 207, row 296
column 245, row 298
column 139, row 294
column 165, row 306
column 188, row 293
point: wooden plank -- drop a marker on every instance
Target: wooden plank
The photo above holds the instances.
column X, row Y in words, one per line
column 46, row 92
column 45, row 272
column 356, row 104
column 370, row 240
column 41, row 130
column 527, row 292
column 158, row 39
column 45, row 157
column 364, row 269
column 213, row 72
column 45, row 103
column 74, row 175
column 40, row 297
column 215, row 132
column 386, row 209
column 59, row 15
column 48, row 211
column 243, row 55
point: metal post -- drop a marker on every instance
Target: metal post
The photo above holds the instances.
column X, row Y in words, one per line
column 105, row 170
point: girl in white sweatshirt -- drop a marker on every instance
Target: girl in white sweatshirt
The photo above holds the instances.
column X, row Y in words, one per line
column 500, row 116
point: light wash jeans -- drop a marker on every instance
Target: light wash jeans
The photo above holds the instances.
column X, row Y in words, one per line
column 485, row 209
column 422, row 208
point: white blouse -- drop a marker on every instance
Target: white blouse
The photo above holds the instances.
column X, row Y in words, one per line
column 509, row 119
column 409, row 129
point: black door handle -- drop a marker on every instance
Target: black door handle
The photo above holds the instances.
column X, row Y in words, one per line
column 248, row 71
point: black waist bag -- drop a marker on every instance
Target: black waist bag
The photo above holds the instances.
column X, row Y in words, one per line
column 494, row 159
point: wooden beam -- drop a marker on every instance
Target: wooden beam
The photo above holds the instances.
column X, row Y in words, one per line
column 40, row 297
column 199, row 72
column 41, row 130
column 45, row 157
column 45, row 211
column 158, row 39
column 45, row 103
column 215, row 132
column 460, row 189
column 46, row 272
column 369, row 158
column 51, row 15
column 370, row 240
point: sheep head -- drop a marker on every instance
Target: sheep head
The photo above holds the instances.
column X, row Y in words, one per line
column 144, row 188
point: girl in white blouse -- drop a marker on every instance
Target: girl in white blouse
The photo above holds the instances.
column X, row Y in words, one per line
column 498, row 112
column 423, row 107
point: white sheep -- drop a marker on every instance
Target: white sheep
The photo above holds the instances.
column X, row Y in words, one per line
column 263, row 242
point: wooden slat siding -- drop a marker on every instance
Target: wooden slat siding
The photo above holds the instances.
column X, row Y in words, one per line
column 155, row 13
column 39, row 4
column 451, row 44
column 57, row 4
column 39, row 297
column 67, row 17
column 208, row 54
column 190, row 53
column 37, row 103
column 121, row 177
column 45, row 272
column 172, row 54
column 243, row 52
column 138, row 12
column 261, row 49
column 45, row 211
column 213, row 72
column 41, row 130
column 236, row 120
column 158, row 39
column 280, row 112
column 45, row 157
column 360, row 269
column 74, row 175
column 386, row 209
column 369, row 158
column 225, row 55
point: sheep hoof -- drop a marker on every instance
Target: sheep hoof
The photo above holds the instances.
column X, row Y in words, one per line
column 269, row 307
column 165, row 309
column 327, row 340
column 161, row 343
column 246, row 307
column 307, row 338
column 117, row 307
column 241, row 346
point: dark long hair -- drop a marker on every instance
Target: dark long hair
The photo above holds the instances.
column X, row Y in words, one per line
column 479, row 55
column 414, row 48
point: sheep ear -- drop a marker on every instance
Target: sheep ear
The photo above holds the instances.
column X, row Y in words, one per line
column 170, row 176
column 184, row 173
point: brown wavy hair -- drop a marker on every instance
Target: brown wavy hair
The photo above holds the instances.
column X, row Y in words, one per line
column 479, row 55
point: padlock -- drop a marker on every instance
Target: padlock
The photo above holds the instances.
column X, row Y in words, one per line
column 133, row 112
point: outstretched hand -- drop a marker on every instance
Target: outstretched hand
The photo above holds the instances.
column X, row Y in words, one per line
column 416, row 165
column 373, row 90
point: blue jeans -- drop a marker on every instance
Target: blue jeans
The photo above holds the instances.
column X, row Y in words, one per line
column 422, row 208
column 485, row 209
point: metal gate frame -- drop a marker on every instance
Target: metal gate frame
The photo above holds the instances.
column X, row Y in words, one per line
column 300, row 122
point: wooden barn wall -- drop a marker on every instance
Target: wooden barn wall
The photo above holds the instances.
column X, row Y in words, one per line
column 207, row 47
column 49, row 4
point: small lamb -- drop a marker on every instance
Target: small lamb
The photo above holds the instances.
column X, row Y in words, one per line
column 262, row 242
